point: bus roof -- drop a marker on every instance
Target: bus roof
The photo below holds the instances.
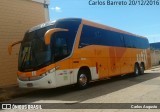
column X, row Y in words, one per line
column 94, row 24
column 52, row 23
column 86, row 22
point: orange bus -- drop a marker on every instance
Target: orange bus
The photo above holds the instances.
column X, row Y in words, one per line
column 77, row 51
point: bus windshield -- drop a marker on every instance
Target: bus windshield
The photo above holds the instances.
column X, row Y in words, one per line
column 33, row 52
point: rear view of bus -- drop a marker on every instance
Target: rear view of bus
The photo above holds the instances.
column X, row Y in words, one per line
column 57, row 53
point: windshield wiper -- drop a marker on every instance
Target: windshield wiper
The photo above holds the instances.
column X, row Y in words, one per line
column 22, row 65
column 85, row 44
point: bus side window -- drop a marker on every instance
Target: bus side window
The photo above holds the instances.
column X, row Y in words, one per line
column 59, row 46
column 128, row 41
column 122, row 40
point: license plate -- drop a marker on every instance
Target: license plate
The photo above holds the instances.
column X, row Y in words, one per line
column 29, row 85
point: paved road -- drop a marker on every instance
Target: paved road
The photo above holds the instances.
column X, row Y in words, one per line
column 125, row 89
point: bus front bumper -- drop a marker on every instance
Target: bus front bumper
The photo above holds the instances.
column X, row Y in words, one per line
column 44, row 82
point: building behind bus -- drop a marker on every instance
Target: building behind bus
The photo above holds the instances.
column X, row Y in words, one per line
column 17, row 16
column 155, row 53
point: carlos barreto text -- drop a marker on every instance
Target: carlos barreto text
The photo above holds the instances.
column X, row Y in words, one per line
column 106, row 2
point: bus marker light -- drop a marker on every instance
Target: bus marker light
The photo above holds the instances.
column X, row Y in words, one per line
column 34, row 73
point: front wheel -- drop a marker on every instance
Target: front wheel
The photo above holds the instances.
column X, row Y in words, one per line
column 82, row 79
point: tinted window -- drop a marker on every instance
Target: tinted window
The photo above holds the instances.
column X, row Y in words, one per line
column 72, row 26
column 62, row 42
column 136, row 42
column 96, row 36
column 59, row 46
column 91, row 35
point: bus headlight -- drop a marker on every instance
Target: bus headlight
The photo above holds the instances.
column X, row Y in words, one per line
column 38, row 77
column 22, row 78
column 32, row 78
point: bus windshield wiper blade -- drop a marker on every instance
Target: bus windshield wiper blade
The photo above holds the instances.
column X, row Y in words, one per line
column 85, row 44
column 23, row 60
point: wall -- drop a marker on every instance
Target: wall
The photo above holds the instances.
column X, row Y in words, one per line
column 16, row 17
column 155, row 57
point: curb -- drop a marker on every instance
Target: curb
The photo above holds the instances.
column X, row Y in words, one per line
column 153, row 67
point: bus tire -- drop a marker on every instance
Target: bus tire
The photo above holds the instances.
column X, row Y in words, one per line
column 136, row 69
column 142, row 68
column 82, row 79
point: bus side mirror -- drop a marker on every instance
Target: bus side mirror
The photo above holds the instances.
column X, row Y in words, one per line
column 11, row 45
column 48, row 34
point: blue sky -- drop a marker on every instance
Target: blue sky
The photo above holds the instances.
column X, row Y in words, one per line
column 141, row 20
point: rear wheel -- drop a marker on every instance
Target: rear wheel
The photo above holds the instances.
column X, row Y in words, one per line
column 136, row 69
column 142, row 69
column 82, row 79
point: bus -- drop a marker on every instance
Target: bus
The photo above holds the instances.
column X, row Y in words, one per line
column 78, row 51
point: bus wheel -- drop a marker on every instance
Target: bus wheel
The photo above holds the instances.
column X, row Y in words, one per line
column 142, row 69
column 136, row 69
column 82, row 79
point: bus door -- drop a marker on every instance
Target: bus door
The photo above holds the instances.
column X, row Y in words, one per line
column 60, row 53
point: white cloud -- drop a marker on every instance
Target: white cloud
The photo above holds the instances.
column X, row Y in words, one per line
column 57, row 9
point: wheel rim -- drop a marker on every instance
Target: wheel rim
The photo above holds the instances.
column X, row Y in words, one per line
column 83, row 79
